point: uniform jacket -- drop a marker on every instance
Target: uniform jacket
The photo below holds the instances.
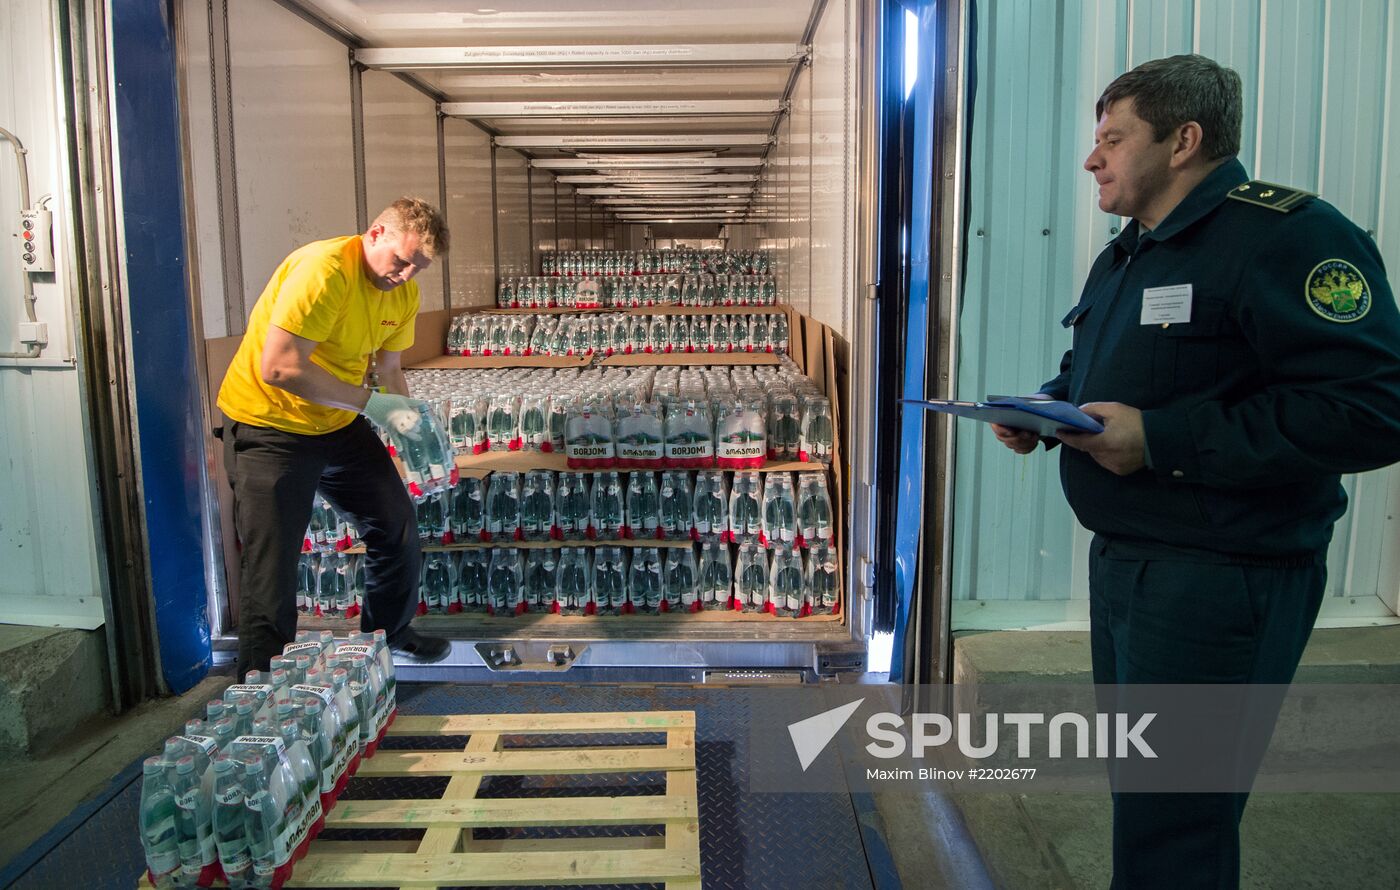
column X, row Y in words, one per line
column 1286, row 375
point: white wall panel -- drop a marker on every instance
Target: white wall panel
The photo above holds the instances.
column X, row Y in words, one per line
column 292, row 133
column 565, row 222
column 800, row 193
column 203, row 170
column 401, row 156
column 1320, row 112
column 832, row 169
column 472, row 258
column 512, row 213
column 542, row 208
column 48, row 537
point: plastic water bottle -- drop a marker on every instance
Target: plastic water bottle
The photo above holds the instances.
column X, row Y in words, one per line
column 741, row 434
column 319, row 731
column 380, row 640
column 607, row 507
column 640, row 439
column 786, row 588
column 502, row 423
column 676, row 506
column 468, row 515
column 438, row 580
column 503, row 508
column 745, row 508
column 541, row 578
column 572, row 587
column 689, row 435
column 643, row 506
column 571, row 506
column 537, row 506
column 472, row 573
column 821, row 578
column 681, row 579
column 784, row 426
column 739, row 334
column 588, row 435
column 609, row 579
column 534, row 421
column 331, row 585
column 813, row 510
column 504, row 581
column 710, row 515
column 194, row 826
column 715, row 586
column 751, row 581
column 349, row 714
column 817, row 430
column 644, row 581
column 779, row 511
column 367, row 689
column 265, row 821
column 304, row 765
column 230, row 821
column 306, row 582
column 159, row 835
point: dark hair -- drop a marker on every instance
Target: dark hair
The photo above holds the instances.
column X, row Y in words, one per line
column 1169, row 92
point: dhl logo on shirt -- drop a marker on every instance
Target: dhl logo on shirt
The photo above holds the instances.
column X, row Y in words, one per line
column 387, row 323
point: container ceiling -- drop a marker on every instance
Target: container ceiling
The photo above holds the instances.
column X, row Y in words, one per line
column 687, row 85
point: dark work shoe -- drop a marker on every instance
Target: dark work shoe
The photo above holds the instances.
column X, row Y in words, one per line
column 418, row 648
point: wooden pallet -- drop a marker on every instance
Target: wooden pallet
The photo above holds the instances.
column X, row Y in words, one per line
column 449, row 856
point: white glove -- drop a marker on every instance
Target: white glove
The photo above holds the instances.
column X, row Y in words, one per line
column 397, row 413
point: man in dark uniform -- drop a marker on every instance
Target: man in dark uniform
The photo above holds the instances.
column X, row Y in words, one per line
column 1241, row 345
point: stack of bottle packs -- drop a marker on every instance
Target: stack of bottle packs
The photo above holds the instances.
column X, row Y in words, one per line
column 239, row 796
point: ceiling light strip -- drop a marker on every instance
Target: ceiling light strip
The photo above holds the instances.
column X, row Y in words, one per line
column 610, row 109
column 630, row 55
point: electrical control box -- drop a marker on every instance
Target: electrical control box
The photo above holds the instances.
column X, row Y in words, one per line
column 36, row 240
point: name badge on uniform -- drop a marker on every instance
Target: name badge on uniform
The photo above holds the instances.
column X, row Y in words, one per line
column 1166, row 305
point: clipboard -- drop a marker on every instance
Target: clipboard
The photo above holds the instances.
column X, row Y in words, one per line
column 1044, row 417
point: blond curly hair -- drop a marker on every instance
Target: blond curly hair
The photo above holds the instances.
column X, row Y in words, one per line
column 415, row 215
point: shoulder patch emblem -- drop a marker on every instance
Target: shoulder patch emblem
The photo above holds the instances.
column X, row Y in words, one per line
column 1267, row 194
column 1337, row 291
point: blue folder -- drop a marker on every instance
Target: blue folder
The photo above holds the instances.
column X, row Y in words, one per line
column 1042, row 416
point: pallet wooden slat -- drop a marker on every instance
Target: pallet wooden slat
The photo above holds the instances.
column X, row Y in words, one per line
column 489, row 869
column 449, row 855
column 510, row 812
column 522, row 724
column 523, row 762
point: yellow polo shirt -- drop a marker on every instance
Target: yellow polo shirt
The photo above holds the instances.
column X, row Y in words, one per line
column 320, row 292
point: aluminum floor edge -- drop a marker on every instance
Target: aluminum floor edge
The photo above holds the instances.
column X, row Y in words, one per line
column 747, row 839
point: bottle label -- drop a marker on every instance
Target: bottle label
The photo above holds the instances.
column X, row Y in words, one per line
column 208, row 745
column 354, row 649
column 248, row 689
column 648, row 451
column 324, row 693
column 231, row 795
column 590, row 451
column 741, row 450
column 294, row 648
column 690, row 450
column 259, row 741
column 334, row 769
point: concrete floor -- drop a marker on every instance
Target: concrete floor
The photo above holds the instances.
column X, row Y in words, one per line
column 1295, row 840
column 40, row 794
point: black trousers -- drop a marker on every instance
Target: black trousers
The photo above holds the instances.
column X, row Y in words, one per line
column 1169, row 621
column 275, row 476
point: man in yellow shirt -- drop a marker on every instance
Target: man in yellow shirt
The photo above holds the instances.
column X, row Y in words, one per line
column 323, row 347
